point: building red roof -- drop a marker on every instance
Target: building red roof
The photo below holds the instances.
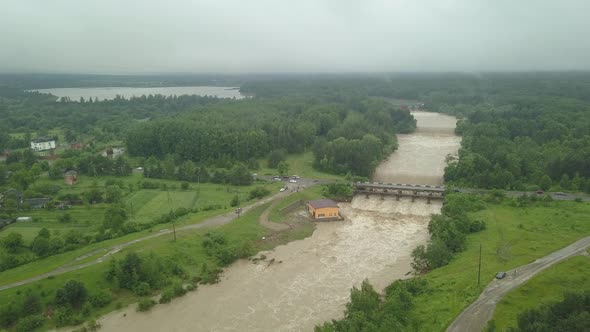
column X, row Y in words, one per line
column 323, row 203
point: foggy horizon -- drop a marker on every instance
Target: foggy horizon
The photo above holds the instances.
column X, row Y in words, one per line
column 308, row 37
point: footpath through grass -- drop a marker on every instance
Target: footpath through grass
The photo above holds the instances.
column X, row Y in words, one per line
column 549, row 286
column 514, row 236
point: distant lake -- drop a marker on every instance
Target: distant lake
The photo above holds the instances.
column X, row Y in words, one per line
column 127, row 92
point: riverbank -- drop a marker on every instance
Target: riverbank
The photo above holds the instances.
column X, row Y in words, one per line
column 312, row 283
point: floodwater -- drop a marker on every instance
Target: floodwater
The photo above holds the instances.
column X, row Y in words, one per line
column 107, row 93
column 312, row 282
column 420, row 158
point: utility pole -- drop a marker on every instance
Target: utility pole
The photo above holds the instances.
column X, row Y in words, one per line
column 479, row 268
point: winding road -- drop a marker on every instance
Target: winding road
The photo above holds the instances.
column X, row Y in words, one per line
column 475, row 317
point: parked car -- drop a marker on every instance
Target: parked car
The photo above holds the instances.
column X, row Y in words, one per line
column 540, row 191
column 293, row 181
column 501, row 275
column 282, row 189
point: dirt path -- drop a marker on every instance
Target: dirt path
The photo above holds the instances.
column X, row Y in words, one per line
column 476, row 316
column 213, row 221
column 266, row 222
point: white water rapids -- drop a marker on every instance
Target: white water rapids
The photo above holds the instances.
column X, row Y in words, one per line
column 313, row 282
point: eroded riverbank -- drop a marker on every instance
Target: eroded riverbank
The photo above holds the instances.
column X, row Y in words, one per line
column 312, row 284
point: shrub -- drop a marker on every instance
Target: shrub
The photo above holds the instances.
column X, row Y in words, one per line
column 184, row 186
column 178, row 289
column 235, row 201
column 338, row 191
column 208, row 275
column 65, row 316
column 167, row 296
column 142, row 289
column 149, row 185
column 258, row 192
column 211, row 207
column 31, row 305
column 29, row 323
column 73, row 293
column 145, row 304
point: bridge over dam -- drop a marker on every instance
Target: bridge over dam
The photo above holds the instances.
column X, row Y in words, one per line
column 398, row 190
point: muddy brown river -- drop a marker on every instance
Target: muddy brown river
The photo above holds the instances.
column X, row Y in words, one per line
column 313, row 282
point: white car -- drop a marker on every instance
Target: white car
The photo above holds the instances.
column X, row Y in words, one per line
column 293, row 181
column 283, row 189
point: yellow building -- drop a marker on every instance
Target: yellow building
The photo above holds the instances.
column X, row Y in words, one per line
column 323, row 209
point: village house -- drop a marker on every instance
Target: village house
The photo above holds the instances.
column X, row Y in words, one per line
column 324, row 209
column 71, row 177
column 42, row 144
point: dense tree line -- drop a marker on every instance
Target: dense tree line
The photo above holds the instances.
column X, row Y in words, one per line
column 433, row 88
column 350, row 136
column 90, row 164
column 368, row 311
column 71, row 304
column 27, row 112
column 537, row 141
column 448, row 232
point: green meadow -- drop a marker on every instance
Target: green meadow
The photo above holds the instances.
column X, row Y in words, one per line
column 514, row 236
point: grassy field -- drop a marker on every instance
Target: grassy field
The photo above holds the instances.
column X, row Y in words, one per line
column 143, row 205
column 146, row 204
column 549, row 286
column 520, row 234
column 299, row 164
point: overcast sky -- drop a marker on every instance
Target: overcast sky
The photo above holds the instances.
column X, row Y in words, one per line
column 237, row 36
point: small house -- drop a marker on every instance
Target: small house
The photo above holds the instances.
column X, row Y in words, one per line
column 76, row 146
column 324, row 209
column 71, row 177
column 43, row 144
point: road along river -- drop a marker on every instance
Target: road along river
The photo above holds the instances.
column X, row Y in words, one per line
column 312, row 284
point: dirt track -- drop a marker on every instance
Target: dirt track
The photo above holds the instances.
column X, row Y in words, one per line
column 476, row 316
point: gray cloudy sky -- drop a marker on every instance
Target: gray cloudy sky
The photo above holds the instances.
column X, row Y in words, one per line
column 132, row 36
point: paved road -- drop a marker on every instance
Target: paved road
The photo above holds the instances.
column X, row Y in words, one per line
column 476, row 316
column 72, row 266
